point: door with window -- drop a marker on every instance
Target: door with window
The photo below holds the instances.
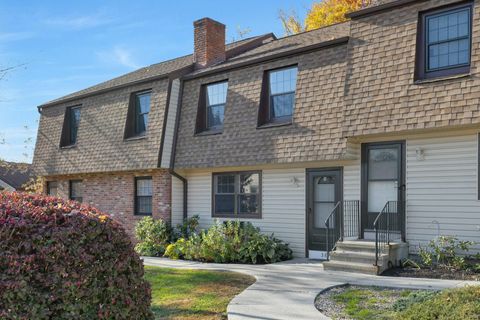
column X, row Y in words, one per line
column 323, row 192
column 383, row 182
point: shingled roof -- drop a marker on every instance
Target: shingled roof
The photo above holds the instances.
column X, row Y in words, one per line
column 158, row 70
column 15, row 174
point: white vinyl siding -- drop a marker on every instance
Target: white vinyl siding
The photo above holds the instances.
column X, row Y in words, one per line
column 6, row 186
column 442, row 189
column 170, row 125
column 283, row 204
column 177, row 201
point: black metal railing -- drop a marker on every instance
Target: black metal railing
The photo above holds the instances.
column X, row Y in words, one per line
column 388, row 226
column 342, row 222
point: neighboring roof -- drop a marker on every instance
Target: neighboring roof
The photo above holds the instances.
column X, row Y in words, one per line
column 15, row 174
column 317, row 38
column 155, row 71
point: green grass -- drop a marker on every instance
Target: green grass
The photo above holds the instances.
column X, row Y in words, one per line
column 193, row 294
column 365, row 303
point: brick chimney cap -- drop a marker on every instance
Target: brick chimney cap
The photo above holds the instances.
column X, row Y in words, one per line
column 204, row 19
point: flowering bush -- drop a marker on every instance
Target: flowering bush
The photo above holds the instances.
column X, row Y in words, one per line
column 63, row 260
column 153, row 235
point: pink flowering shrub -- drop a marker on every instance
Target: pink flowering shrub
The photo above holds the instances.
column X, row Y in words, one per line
column 63, row 260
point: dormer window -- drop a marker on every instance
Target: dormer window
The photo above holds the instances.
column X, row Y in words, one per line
column 278, row 96
column 211, row 107
column 70, row 127
column 444, row 47
column 137, row 117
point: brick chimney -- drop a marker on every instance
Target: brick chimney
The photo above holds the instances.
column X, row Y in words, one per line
column 209, row 41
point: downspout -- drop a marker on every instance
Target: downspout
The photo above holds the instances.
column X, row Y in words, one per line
column 172, row 155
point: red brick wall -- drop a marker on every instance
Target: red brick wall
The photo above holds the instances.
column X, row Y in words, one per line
column 113, row 193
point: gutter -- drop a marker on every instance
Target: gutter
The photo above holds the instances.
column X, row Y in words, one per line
column 185, row 190
column 380, row 8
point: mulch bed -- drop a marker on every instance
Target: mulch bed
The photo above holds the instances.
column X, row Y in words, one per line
column 438, row 273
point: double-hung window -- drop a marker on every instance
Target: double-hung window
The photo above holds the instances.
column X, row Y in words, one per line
column 70, row 127
column 211, row 107
column 282, row 85
column 52, row 188
column 143, row 196
column 76, row 190
column 237, row 194
column 216, row 98
column 445, row 47
column 142, row 109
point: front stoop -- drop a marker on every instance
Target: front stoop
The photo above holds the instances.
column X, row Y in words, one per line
column 359, row 256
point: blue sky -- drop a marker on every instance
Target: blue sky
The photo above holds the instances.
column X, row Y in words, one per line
column 64, row 46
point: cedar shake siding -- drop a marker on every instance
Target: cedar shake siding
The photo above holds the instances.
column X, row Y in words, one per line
column 315, row 132
column 101, row 146
column 381, row 93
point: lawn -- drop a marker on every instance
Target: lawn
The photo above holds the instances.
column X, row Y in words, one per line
column 369, row 303
column 193, row 294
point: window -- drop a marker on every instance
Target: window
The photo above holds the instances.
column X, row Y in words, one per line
column 70, row 127
column 278, row 96
column 445, row 46
column 137, row 117
column 143, row 196
column 211, row 107
column 52, row 188
column 76, row 190
column 237, row 195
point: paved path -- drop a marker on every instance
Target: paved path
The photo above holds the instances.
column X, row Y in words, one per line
column 287, row 290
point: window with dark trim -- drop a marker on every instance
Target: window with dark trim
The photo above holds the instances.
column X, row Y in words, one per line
column 52, row 188
column 236, row 194
column 278, row 95
column 444, row 42
column 143, row 196
column 137, row 116
column 70, row 127
column 211, row 107
column 76, row 190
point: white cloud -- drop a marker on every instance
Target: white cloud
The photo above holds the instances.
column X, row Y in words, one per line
column 15, row 36
column 119, row 55
column 80, row 22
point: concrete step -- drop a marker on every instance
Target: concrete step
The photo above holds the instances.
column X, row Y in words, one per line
column 353, row 256
column 364, row 268
column 356, row 246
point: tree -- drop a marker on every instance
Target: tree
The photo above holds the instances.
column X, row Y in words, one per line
column 321, row 14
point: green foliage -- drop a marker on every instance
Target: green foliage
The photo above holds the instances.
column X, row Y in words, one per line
column 153, row 235
column 188, row 227
column 461, row 303
column 445, row 252
column 407, row 301
column 230, row 241
column 63, row 260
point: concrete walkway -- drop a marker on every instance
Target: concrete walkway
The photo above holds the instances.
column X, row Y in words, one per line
column 287, row 290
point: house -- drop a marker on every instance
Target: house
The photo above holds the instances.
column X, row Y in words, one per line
column 14, row 175
column 360, row 137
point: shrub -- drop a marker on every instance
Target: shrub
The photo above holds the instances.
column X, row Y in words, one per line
column 444, row 252
column 63, row 260
column 231, row 241
column 154, row 235
column 187, row 228
column 404, row 303
column 461, row 303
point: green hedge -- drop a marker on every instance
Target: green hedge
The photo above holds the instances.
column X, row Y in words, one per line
column 63, row 260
